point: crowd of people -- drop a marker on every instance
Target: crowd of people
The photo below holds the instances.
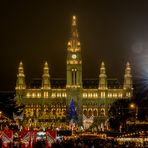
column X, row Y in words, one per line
column 79, row 142
column 91, row 143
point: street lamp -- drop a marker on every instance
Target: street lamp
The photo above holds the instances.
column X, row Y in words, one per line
column 0, row 114
column 135, row 107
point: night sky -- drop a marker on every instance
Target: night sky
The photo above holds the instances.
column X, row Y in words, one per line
column 35, row 31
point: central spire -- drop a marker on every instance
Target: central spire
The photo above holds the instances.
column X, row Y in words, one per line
column 74, row 43
column 74, row 29
column 74, row 20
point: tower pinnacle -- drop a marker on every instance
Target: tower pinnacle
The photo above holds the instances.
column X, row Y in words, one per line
column 74, row 43
column 20, row 84
column 128, row 77
column 46, row 77
column 74, row 20
column 74, row 29
column 102, row 77
column 21, row 70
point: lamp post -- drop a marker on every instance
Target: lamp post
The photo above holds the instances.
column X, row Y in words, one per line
column 133, row 106
column 0, row 114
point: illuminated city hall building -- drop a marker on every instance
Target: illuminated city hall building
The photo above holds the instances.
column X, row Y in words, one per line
column 49, row 99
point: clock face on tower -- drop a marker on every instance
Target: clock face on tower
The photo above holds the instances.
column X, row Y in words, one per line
column 74, row 56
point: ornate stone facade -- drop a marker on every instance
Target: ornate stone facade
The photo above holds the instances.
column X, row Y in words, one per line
column 50, row 99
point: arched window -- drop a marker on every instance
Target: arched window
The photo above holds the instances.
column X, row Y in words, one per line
column 103, row 112
column 74, row 76
column 54, row 112
column 85, row 112
column 90, row 113
column 95, row 112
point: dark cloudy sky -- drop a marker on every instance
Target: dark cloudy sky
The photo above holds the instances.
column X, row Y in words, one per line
column 36, row 31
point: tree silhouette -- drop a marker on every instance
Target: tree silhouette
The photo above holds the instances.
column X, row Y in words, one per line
column 119, row 114
column 8, row 104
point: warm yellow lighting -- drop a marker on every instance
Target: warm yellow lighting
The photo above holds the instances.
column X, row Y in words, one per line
column 33, row 95
column 132, row 105
column 102, row 94
column 38, row 95
column 69, row 43
column 74, row 17
column 53, row 95
column 45, row 94
column 28, row 95
column 74, row 20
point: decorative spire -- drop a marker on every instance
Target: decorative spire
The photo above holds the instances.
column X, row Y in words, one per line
column 128, row 77
column 74, row 43
column 20, row 84
column 46, row 70
column 74, row 20
column 128, row 69
column 102, row 69
column 102, row 77
column 46, row 77
column 21, row 70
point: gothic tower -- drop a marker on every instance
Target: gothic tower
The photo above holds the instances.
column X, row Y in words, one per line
column 102, row 77
column 46, row 77
column 74, row 60
column 74, row 71
column 128, row 84
column 20, row 84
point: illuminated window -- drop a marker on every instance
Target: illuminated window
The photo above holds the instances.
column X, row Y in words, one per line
column 63, row 94
column 69, row 44
column 94, row 95
column 28, row 95
column 38, row 95
column 115, row 95
column 128, row 94
column 84, row 95
column 33, row 95
column 89, row 94
column 53, row 95
column 74, row 76
column 45, row 94
column 102, row 94
column 59, row 94
column 120, row 95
